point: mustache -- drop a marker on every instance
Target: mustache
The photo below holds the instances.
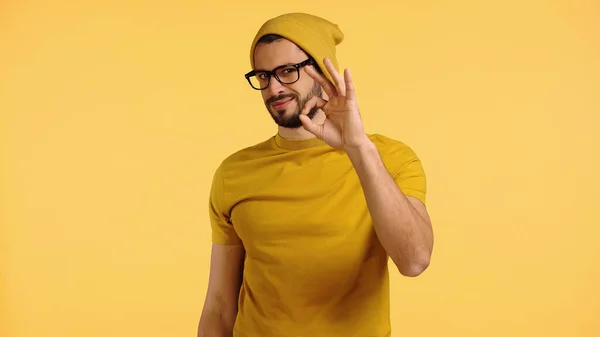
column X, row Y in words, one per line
column 279, row 97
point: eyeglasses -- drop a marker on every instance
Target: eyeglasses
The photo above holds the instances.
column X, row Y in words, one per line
column 285, row 74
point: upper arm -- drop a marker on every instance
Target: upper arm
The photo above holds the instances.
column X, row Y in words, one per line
column 420, row 208
column 222, row 229
column 226, row 265
column 225, row 277
column 408, row 173
column 410, row 177
column 227, row 253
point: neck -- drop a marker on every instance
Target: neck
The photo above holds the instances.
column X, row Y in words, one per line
column 301, row 133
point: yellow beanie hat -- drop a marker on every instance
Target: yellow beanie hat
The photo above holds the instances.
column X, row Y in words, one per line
column 316, row 36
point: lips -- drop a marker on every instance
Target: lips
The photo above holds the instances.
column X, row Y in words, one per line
column 282, row 103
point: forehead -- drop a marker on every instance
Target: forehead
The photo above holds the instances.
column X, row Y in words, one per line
column 270, row 55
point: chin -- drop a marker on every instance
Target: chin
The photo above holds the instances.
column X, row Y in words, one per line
column 289, row 122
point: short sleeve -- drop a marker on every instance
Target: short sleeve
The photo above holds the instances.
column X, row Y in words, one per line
column 223, row 232
column 410, row 175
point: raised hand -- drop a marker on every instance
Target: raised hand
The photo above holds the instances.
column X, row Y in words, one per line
column 342, row 128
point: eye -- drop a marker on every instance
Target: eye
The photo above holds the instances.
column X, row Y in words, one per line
column 287, row 71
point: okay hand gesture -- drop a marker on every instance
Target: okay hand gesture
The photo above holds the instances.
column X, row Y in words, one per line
column 342, row 128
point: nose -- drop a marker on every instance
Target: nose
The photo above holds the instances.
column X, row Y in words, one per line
column 275, row 88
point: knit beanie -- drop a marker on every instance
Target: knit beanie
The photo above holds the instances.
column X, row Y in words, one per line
column 316, row 36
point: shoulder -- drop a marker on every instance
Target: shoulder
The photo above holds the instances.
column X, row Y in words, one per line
column 403, row 164
column 397, row 156
column 240, row 158
column 233, row 169
column 393, row 149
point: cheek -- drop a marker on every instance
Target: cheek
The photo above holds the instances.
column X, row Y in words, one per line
column 302, row 88
column 265, row 95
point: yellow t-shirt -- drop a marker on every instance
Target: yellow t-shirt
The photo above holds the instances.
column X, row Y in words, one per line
column 314, row 266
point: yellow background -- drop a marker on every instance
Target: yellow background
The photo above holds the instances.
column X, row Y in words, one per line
column 115, row 115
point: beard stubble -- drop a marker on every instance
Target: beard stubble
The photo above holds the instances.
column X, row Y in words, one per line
column 293, row 121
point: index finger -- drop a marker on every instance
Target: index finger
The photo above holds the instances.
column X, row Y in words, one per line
column 325, row 83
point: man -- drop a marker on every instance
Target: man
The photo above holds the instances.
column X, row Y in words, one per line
column 303, row 223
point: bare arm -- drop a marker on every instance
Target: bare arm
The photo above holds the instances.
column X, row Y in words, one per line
column 402, row 223
column 220, row 306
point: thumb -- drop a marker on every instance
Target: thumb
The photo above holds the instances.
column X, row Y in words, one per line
column 312, row 127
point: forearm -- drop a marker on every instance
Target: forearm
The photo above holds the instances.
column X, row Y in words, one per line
column 403, row 232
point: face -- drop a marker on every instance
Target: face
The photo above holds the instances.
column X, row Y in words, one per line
column 285, row 101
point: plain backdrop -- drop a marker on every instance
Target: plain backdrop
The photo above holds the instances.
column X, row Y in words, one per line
column 115, row 114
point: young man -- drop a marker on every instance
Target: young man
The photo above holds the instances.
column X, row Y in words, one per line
column 303, row 223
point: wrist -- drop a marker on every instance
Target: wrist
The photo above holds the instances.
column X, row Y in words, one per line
column 364, row 149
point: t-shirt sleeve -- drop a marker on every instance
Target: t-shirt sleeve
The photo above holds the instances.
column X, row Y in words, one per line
column 409, row 175
column 223, row 232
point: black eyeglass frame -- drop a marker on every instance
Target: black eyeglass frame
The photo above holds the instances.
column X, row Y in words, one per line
column 273, row 73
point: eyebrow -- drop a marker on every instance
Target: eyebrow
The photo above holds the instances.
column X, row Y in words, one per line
column 282, row 65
